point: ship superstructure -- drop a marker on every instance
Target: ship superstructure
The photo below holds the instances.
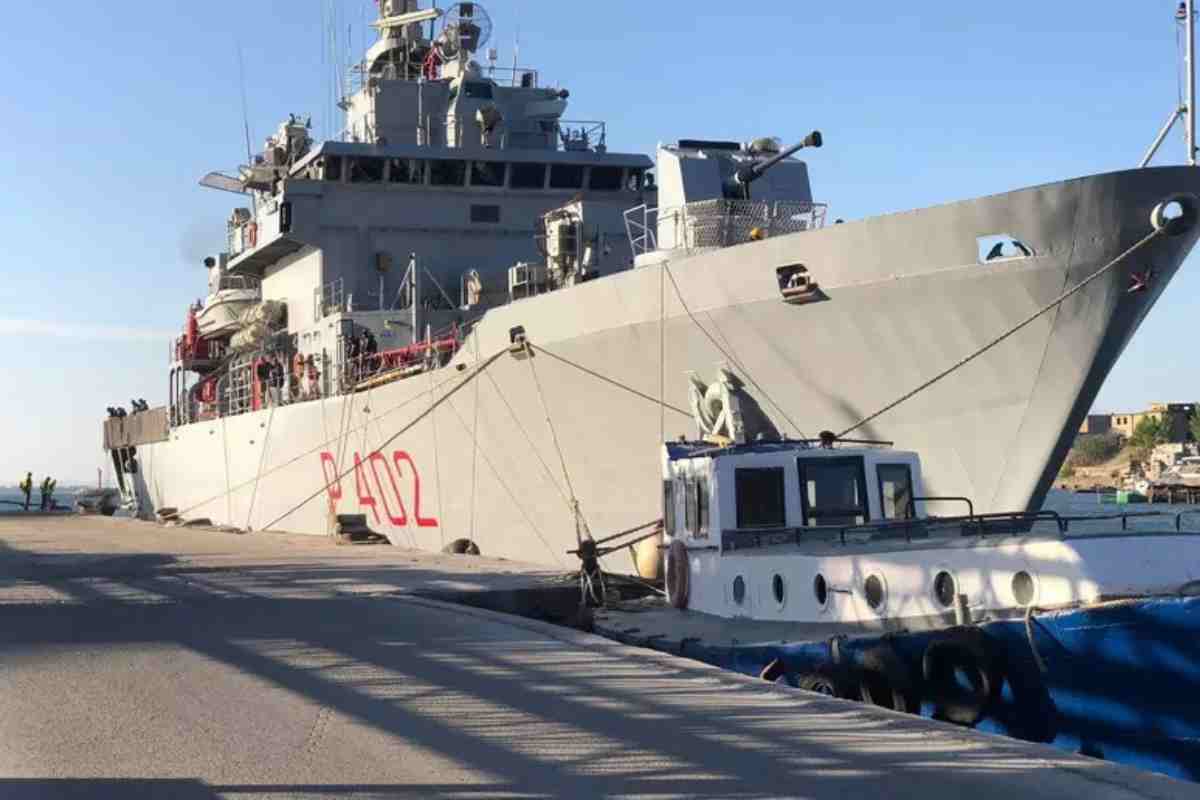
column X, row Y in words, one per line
column 474, row 319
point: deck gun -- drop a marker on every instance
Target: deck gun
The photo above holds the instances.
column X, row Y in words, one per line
column 751, row 172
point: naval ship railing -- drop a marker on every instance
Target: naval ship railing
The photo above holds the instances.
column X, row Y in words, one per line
column 718, row 223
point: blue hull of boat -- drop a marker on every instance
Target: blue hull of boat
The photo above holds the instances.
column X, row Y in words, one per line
column 1119, row 681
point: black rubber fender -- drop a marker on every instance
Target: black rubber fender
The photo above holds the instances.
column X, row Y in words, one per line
column 831, row 681
column 1032, row 714
column 679, row 574
column 966, row 650
column 885, row 680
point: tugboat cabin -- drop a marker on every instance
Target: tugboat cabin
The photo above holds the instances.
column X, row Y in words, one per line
column 723, row 496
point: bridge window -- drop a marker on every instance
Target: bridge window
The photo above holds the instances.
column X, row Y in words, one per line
column 833, row 491
column 447, row 173
column 477, row 90
column 759, row 494
column 895, row 490
column 528, row 176
column 606, row 179
column 566, row 176
column 366, row 170
column 487, row 173
column 407, row 170
column 485, row 213
column 331, row 168
column 634, row 180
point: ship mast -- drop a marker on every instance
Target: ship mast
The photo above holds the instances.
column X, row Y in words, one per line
column 1186, row 14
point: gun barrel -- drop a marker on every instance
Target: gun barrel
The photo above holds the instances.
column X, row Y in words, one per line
column 755, row 171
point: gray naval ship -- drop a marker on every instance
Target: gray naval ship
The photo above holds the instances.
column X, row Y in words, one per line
column 470, row 323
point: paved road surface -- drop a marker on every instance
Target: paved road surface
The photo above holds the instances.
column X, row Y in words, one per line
column 137, row 661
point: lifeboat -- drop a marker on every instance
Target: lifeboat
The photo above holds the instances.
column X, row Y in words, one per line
column 223, row 309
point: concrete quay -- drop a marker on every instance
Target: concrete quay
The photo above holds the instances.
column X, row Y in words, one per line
column 141, row 661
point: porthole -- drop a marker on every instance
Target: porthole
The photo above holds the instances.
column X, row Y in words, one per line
column 1023, row 588
column 944, row 589
column 739, row 590
column 778, row 589
column 820, row 590
column 874, row 592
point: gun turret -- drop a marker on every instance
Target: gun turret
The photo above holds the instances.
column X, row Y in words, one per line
column 752, row 172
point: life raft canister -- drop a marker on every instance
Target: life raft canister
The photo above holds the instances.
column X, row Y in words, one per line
column 679, row 574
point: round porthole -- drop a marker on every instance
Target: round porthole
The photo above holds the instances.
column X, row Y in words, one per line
column 1022, row 588
column 778, row 589
column 739, row 590
column 874, row 592
column 944, row 589
column 820, row 590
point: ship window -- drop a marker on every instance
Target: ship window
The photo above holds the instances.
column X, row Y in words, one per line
column 566, row 176
column 480, row 91
column 702, row 508
column 487, row 173
column 407, row 170
column 485, row 213
column 331, row 168
column 633, row 181
column 669, row 507
column 527, row 176
column 606, row 179
column 833, row 491
column 447, row 173
column 895, row 490
column 759, row 494
column 1000, row 246
column 366, row 170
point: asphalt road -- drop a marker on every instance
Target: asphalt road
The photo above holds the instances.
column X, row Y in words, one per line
column 137, row 661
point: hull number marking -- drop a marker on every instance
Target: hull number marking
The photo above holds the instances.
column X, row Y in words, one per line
column 401, row 471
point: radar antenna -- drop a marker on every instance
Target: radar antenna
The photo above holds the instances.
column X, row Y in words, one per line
column 466, row 27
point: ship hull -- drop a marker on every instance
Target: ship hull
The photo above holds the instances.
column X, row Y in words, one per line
column 501, row 454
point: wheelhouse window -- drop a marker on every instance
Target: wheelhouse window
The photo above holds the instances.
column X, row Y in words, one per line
column 566, row 176
column 702, row 508
column 759, row 492
column 366, row 170
column 487, row 173
column 606, row 179
column 895, row 491
column 407, row 170
column 833, row 491
column 447, row 173
column 527, row 176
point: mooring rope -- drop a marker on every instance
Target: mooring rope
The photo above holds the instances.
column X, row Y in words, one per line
column 319, row 446
column 562, row 459
column 341, row 474
column 1011, row 331
column 611, row 381
column 262, row 460
column 724, row 352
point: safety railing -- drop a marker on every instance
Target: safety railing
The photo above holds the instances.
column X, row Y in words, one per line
column 582, row 134
column 718, row 223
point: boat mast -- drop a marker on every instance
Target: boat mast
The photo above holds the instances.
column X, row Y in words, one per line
column 1186, row 14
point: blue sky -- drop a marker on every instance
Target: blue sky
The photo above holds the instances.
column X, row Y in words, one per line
column 113, row 111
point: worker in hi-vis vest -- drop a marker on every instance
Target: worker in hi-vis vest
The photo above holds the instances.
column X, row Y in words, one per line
column 26, row 487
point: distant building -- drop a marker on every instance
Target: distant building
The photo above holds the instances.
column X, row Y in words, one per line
column 1176, row 417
